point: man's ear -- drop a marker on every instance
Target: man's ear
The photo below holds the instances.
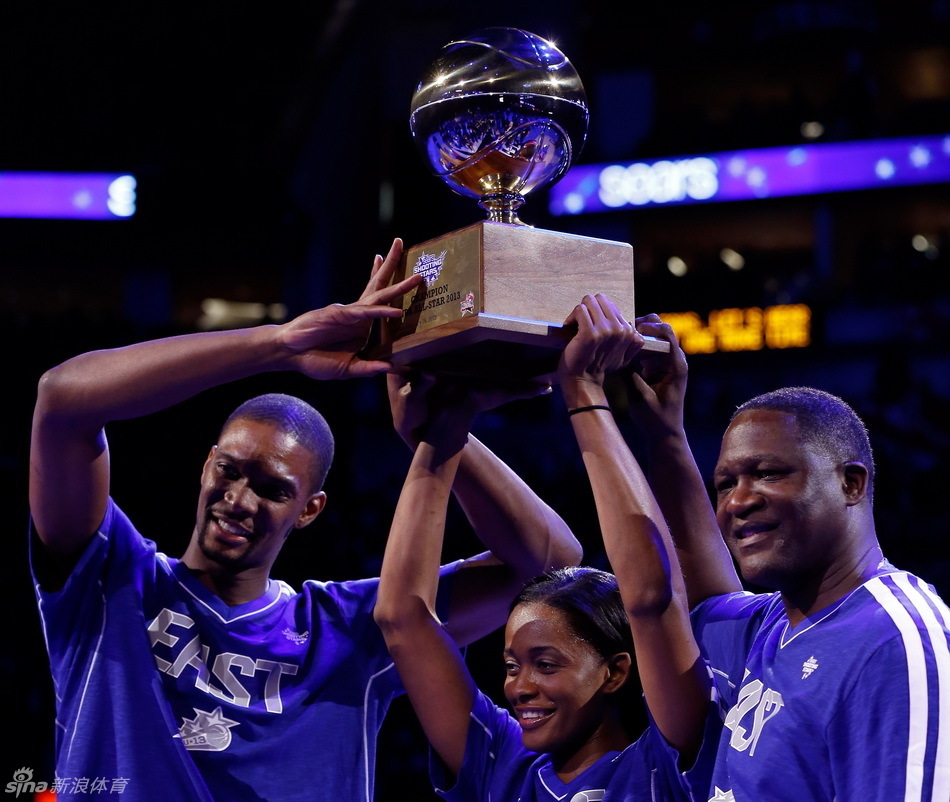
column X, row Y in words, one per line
column 311, row 510
column 855, row 482
column 207, row 461
column 618, row 671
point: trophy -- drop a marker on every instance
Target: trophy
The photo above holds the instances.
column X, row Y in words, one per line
column 497, row 115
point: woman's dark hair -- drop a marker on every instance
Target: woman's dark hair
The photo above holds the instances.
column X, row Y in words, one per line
column 590, row 601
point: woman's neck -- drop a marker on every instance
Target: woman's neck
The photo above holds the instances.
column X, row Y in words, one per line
column 610, row 736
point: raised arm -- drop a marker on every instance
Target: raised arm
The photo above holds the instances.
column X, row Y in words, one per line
column 430, row 665
column 524, row 536
column 636, row 538
column 657, row 393
column 69, row 461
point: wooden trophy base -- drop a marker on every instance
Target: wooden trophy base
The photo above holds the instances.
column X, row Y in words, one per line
column 496, row 296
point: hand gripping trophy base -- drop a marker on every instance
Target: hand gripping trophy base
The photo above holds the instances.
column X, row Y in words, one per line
column 496, row 297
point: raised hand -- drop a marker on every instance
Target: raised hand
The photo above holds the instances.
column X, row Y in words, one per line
column 421, row 400
column 657, row 382
column 605, row 342
column 324, row 343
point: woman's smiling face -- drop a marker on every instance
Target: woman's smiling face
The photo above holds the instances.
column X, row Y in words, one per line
column 555, row 684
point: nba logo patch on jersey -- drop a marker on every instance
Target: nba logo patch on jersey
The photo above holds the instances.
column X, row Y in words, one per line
column 207, row 732
column 809, row 666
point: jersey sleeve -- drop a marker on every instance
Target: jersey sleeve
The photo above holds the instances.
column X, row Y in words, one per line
column 355, row 599
column 888, row 739
column 495, row 762
column 114, row 557
column 725, row 627
column 697, row 778
column 345, row 613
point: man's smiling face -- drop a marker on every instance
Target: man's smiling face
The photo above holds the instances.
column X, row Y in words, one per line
column 781, row 505
column 256, row 486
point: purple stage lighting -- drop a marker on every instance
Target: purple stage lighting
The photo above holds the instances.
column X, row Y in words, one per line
column 56, row 196
column 753, row 174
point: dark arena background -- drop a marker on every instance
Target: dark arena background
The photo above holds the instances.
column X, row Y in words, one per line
column 272, row 159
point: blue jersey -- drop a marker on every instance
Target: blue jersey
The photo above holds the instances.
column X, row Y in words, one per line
column 163, row 688
column 497, row 768
column 851, row 705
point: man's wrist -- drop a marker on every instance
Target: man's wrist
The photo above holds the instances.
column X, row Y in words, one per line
column 667, row 441
column 274, row 338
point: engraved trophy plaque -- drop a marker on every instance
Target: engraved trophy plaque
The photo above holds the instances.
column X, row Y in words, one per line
column 497, row 115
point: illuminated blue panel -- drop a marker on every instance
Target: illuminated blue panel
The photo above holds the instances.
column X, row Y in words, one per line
column 85, row 196
column 752, row 174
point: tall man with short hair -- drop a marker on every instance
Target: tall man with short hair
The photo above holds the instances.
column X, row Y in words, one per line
column 204, row 678
column 836, row 684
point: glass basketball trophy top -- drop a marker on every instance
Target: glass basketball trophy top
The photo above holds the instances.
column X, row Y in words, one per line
column 497, row 115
